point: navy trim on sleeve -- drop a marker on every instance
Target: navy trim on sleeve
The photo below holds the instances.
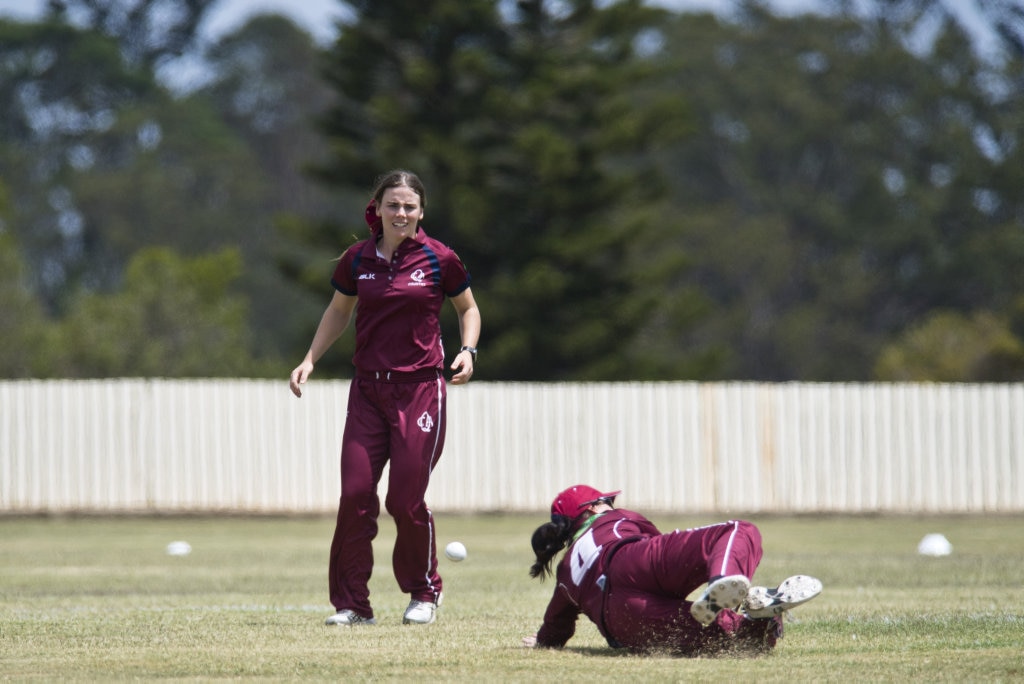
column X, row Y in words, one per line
column 460, row 289
column 342, row 290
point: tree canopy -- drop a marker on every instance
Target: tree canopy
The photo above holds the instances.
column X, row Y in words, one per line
column 638, row 194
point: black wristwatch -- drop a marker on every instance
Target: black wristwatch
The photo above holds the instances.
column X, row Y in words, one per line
column 471, row 350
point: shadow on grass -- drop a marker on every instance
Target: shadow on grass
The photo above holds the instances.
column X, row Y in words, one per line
column 724, row 654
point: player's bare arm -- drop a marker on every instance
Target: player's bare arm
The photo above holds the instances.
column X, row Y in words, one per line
column 469, row 331
column 332, row 324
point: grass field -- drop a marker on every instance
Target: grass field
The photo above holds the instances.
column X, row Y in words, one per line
column 92, row 599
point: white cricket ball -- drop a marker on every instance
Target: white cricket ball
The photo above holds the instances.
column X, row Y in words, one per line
column 179, row 548
column 455, row 551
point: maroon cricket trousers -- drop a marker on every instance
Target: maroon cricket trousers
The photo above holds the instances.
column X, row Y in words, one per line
column 649, row 580
column 401, row 422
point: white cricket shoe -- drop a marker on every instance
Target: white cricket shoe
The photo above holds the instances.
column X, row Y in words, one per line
column 724, row 593
column 349, row 618
column 421, row 612
column 762, row 602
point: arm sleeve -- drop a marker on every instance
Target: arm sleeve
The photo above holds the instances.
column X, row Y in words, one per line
column 344, row 278
column 455, row 278
column 559, row 621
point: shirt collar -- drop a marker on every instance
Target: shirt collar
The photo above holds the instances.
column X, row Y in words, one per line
column 586, row 524
column 420, row 236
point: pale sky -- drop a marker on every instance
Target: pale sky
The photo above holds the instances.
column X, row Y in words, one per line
column 315, row 16
column 319, row 16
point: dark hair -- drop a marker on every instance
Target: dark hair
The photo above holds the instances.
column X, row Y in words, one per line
column 397, row 179
column 547, row 541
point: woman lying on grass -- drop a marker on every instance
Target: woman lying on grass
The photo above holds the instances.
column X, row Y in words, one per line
column 632, row 581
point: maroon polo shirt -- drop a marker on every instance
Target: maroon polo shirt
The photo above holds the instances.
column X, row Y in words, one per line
column 397, row 322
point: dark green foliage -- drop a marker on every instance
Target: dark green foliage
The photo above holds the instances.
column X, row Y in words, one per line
column 838, row 193
column 59, row 87
column 21, row 316
column 267, row 91
column 949, row 347
column 637, row 194
column 103, row 162
column 527, row 131
column 198, row 331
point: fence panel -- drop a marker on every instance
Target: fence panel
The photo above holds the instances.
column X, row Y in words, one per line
column 248, row 445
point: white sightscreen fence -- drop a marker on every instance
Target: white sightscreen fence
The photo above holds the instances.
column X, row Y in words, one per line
column 250, row 446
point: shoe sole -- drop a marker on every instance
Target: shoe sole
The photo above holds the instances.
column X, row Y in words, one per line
column 333, row 622
column 726, row 593
column 795, row 590
column 408, row 621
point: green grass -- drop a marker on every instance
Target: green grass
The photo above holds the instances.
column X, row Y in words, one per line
column 98, row 599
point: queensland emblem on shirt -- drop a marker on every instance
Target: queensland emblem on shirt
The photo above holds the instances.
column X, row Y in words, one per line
column 425, row 422
column 418, row 278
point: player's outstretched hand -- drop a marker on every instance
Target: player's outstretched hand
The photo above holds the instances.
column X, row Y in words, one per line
column 299, row 377
column 530, row 641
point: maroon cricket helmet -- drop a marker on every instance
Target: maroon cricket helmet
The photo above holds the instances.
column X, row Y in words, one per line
column 573, row 500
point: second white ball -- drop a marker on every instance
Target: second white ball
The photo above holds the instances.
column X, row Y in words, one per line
column 455, row 551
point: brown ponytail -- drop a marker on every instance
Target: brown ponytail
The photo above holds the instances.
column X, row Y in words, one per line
column 547, row 541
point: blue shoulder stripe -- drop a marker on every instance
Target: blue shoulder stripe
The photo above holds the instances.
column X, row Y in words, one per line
column 435, row 264
column 355, row 268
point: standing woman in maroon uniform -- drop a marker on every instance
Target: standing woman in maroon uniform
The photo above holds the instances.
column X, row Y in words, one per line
column 400, row 278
